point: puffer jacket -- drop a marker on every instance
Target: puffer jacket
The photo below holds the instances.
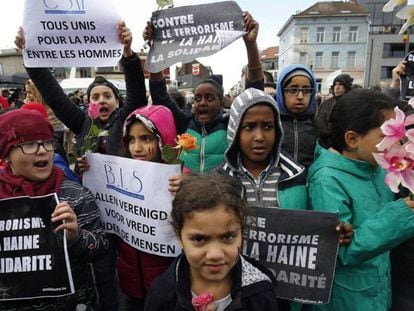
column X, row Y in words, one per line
column 301, row 130
column 137, row 269
column 77, row 121
column 252, row 288
column 359, row 194
column 90, row 244
column 283, row 184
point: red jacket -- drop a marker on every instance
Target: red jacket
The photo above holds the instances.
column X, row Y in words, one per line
column 4, row 103
column 137, row 269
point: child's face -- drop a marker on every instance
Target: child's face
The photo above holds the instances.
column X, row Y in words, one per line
column 206, row 102
column 35, row 167
column 105, row 97
column 257, row 135
column 211, row 240
column 297, row 103
column 143, row 144
column 366, row 144
column 339, row 89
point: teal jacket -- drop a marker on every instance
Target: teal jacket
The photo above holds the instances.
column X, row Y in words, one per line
column 359, row 194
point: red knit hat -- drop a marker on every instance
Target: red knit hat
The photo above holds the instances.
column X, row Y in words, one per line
column 35, row 106
column 21, row 125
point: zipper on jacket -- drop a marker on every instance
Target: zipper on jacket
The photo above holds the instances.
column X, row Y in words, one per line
column 202, row 148
column 296, row 139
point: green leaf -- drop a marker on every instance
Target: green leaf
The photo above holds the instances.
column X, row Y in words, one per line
column 168, row 154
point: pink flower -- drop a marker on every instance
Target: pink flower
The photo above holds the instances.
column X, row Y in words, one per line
column 399, row 164
column 202, row 301
column 93, row 110
column 394, row 129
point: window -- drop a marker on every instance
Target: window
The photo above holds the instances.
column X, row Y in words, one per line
column 335, row 60
column 336, row 34
column 350, row 61
column 320, row 33
column 304, row 35
column 395, row 50
column 303, row 58
column 1, row 69
column 85, row 72
column 318, row 59
column 386, row 73
column 353, row 34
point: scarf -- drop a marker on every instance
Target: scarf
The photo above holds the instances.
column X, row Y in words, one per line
column 14, row 186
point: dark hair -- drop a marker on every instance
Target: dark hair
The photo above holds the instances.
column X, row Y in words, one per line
column 214, row 82
column 99, row 80
column 203, row 192
column 358, row 110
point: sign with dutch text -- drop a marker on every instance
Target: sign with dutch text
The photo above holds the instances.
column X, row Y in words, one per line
column 134, row 201
column 62, row 33
column 299, row 247
column 34, row 261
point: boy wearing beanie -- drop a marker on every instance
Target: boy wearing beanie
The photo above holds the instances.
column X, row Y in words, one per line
column 341, row 84
column 27, row 144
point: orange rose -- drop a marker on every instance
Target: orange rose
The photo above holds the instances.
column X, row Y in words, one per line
column 187, row 142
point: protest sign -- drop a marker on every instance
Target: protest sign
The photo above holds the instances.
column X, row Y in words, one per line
column 34, row 261
column 71, row 34
column 407, row 80
column 182, row 34
column 299, row 247
column 134, row 201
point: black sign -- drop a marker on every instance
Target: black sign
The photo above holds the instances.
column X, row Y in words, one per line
column 407, row 80
column 184, row 33
column 33, row 259
column 299, row 247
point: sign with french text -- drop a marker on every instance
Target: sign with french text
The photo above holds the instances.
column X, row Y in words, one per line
column 79, row 33
column 182, row 34
column 134, row 201
column 299, row 247
column 34, row 261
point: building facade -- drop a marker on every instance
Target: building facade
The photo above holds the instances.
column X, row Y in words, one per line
column 327, row 37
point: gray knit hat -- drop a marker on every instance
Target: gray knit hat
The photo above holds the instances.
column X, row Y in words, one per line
column 241, row 103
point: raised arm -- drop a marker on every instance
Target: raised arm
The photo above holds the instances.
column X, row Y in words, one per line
column 52, row 93
column 158, row 90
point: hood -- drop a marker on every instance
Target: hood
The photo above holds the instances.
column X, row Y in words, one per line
column 157, row 119
column 241, row 103
column 285, row 73
column 331, row 158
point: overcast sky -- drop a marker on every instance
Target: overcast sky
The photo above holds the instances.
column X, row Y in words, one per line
column 271, row 14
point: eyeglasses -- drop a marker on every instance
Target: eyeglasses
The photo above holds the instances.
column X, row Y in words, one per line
column 296, row 90
column 32, row 147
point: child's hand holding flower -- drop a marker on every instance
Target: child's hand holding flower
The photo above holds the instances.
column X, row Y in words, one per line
column 185, row 143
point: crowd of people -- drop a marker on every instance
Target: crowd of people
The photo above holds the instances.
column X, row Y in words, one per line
column 276, row 146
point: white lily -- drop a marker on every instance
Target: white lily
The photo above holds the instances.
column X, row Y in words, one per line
column 390, row 5
column 406, row 13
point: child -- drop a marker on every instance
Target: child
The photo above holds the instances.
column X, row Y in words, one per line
column 111, row 119
column 269, row 176
column 209, row 228
column 102, row 91
column 208, row 123
column 295, row 97
column 145, row 132
column 346, row 178
column 26, row 142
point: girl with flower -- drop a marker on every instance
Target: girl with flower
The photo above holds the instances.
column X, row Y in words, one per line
column 148, row 133
column 211, row 275
column 346, row 179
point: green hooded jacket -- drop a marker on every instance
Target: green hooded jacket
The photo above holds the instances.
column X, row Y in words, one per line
column 359, row 194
